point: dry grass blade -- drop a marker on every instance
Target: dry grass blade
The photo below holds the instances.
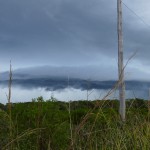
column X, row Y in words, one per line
column 83, row 122
column 9, row 102
column 27, row 133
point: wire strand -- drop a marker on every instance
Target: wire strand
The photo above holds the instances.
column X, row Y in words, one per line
column 148, row 25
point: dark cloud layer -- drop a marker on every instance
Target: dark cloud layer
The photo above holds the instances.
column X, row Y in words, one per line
column 53, row 40
column 52, row 84
column 67, row 32
column 103, row 72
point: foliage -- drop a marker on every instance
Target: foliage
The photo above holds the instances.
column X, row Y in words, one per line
column 95, row 125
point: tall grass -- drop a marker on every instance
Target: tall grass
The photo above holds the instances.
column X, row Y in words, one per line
column 101, row 129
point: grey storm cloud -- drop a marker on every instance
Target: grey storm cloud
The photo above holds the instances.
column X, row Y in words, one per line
column 70, row 33
column 92, row 73
column 56, row 23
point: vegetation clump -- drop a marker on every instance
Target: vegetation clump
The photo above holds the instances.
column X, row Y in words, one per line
column 52, row 125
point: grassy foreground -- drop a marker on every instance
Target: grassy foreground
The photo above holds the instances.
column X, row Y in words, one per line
column 82, row 125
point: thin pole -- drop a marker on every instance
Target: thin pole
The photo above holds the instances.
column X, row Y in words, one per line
column 71, row 133
column 148, row 105
column 9, row 104
column 120, row 62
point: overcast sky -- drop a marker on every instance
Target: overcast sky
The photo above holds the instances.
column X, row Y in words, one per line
column 74, row 33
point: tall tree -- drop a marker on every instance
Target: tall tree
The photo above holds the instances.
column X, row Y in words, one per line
column 120, row 62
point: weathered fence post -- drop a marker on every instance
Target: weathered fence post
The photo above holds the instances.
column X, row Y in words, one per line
column 120, row 62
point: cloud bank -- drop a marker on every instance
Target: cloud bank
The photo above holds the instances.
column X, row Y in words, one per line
column 71, row 33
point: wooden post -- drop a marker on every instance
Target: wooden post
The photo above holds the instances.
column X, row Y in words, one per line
column 148, row 105
column 10, row 105
column 120, row 62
